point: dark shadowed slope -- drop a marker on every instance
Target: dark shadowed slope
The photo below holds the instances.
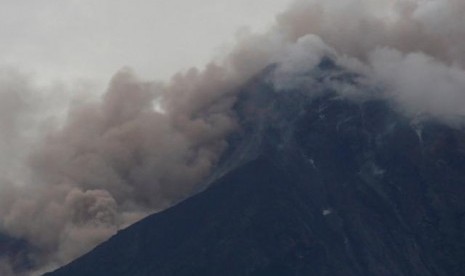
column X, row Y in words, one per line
column 15, row 252
column 314, row 185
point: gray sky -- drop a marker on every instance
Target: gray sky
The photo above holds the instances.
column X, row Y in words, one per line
column 71, row 39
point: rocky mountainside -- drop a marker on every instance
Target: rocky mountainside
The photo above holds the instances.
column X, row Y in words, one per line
column 314, row 184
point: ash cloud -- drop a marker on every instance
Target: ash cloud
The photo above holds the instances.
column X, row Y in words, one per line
column 411, row 50
column 114, row 161
column 144, row 146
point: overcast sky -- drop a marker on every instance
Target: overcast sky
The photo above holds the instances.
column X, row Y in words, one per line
column 71, row 39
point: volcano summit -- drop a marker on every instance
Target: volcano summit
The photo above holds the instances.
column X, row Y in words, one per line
column 315, row 183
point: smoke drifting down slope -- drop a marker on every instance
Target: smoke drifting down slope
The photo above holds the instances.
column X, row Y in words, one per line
column 144, row 145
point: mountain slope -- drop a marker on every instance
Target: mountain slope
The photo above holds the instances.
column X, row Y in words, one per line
column 313, row 185
column 16, row 253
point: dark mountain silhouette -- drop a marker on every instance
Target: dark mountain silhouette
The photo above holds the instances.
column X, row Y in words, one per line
column 314, row 184
column 16, row 252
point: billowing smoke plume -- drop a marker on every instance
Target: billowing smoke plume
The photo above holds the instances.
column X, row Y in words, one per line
column 413, row 49
column 67, row 185
column 141, row 148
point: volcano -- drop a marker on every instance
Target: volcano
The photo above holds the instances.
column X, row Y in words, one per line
column 314, row 183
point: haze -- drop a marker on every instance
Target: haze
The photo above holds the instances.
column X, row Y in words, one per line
column 68, row 40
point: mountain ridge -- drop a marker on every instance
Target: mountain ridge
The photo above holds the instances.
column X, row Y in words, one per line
column 332, row 186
